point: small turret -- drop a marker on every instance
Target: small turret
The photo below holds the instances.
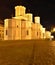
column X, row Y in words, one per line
column 37, row 19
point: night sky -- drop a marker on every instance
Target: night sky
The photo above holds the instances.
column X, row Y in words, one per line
column 44, row 9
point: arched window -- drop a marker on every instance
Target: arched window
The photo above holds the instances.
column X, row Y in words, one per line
column 27, row 32
column 0, row 35
column 37, row 33
column 17, row 26
column 6, row 32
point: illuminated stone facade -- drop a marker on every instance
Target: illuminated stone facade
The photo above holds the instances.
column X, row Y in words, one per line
column 48, row 34
column 1, row 32
column 22, row 27
column 20, row 11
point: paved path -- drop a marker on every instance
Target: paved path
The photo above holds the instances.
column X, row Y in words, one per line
column 44, row 54
column 27, row 53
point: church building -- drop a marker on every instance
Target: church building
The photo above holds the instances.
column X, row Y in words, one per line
column 22, row 27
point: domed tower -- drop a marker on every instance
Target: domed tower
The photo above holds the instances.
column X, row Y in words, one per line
column 19, row 11
column 29, row 17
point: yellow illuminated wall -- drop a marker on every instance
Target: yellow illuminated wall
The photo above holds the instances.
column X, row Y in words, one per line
column 37, row 19
column 48, row 34
column 1, row 32
column 29, row 17
column 20, row 11
column 5, row 29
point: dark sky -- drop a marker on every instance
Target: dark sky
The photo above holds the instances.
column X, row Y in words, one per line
column 44, row 8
